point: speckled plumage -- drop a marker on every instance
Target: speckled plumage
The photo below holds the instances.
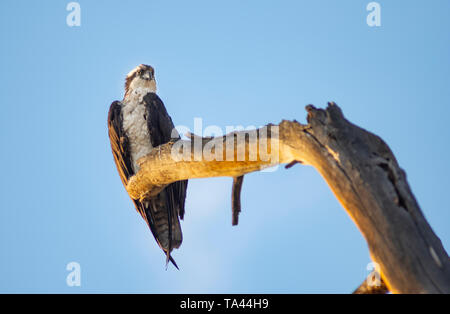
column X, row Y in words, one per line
column 134, row 115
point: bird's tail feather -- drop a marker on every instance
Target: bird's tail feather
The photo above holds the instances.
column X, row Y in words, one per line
column 162, row 218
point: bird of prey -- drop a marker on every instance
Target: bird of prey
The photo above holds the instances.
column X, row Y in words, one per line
column 135, row 125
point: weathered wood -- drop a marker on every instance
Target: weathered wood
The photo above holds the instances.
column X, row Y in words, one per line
column 236, row 199
column 372, row 285
column 361, row 171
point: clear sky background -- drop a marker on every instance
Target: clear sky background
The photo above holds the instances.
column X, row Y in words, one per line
column 230, row 63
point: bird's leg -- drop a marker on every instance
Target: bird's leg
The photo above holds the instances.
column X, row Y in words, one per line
column 236, row 199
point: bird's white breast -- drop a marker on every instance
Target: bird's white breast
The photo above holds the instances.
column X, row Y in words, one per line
column 135, row 127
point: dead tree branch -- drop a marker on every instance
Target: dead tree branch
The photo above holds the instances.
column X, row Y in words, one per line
column 372, row 285
column 236, row 199
column 361, row 171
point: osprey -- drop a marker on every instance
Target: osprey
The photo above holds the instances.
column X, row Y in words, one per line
column 135, row 125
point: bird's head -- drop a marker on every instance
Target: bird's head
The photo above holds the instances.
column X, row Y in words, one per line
column 141, row 79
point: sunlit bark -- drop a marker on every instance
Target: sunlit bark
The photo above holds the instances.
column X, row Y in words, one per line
column 359, row 168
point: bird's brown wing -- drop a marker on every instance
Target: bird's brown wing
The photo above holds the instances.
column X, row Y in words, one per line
column 172, row 198
column 162, row 130
column 119, row 143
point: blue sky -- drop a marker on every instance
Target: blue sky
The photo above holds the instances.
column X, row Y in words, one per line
column 230, row 63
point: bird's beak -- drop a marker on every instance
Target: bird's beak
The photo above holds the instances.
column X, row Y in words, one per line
column 147, row 76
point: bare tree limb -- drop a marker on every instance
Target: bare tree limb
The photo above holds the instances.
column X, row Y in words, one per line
column 361, row 171
column 236, row 199
column 371, row 286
